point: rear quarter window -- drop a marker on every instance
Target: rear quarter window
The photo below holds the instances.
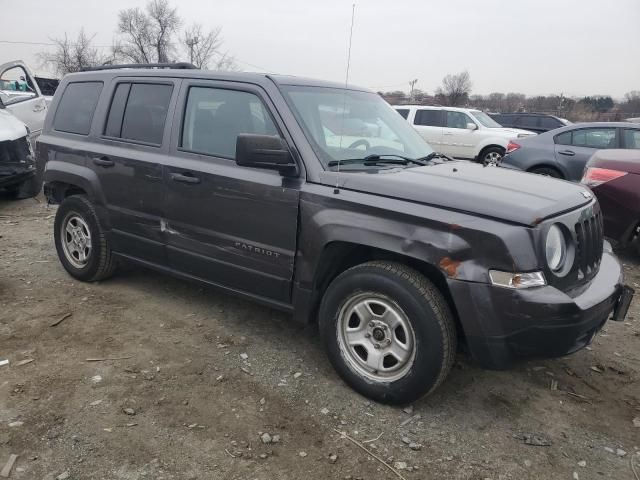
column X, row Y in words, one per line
column 404, row 112
column 76, row 107
column 563, row 138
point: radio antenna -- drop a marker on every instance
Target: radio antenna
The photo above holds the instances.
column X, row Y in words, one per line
column 336, row 190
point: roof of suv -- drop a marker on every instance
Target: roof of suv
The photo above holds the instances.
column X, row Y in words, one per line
column 437, row 107
column 249, row 77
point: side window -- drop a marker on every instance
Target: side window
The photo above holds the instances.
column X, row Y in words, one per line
column 457, row 120
column 528, row 121
column 595, row 138
column 214, row 118
column 404, row 112
column 428, row 118
column 550, row 123
column 16, row 86
column 138, row 112
column 116, row 110
column 631, row 138
column 76, row 107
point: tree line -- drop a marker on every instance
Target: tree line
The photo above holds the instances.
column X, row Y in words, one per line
column 456, row 91
column 153, row 34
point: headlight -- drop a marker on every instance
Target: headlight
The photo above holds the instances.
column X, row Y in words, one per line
column 555, row 248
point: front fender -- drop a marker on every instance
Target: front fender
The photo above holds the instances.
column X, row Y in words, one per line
column 497, row 141
column 460, row 245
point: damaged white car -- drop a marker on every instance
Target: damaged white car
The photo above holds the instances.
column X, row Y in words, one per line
column 23, row 108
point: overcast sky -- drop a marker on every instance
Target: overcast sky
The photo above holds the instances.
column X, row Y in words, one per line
column 578, row 47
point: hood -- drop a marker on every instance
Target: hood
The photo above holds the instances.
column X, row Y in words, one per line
column 494, row 192
column 10, row 127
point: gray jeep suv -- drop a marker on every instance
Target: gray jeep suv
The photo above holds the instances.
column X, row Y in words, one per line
column 320, row 200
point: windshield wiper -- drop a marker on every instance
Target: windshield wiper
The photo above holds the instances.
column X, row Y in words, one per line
column 378, row 159
column 433, row 156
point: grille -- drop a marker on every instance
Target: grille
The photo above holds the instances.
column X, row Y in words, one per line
column 589, row 237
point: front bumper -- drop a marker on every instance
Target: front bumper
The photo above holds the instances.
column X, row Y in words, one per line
column 14, row 176
column 502, row 325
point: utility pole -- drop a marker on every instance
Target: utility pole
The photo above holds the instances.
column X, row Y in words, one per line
column 191, row 43
column 412, row 85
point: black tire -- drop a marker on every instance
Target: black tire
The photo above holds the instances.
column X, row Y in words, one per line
column 547, row 171
column 427, row 312
column 100, row 263
column 487, row 153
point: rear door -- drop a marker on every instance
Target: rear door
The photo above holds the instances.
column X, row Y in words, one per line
column 232, row 226
column 130, row 146
column 21, row 95
column 574, row 148
column 428, row 123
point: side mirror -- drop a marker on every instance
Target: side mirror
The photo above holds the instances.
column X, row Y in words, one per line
column 472, row 126
column 265, row 151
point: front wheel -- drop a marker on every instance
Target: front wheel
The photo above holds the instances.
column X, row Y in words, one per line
column 388, row 331
column 491, row 156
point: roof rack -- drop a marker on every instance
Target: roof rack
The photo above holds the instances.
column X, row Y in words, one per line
column 173, row 66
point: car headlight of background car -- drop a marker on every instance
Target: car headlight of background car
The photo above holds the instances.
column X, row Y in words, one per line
column 555, row 248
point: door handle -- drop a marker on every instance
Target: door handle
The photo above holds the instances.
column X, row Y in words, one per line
column 103, row 162
column 568, row 153
column 38, row 108
column 184, row 178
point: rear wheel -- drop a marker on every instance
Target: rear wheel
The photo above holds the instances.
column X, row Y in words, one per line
column 388, row 331
column 80, row 241
column 547, row 171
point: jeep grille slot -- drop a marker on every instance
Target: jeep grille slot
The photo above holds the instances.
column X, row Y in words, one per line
column 589, row 236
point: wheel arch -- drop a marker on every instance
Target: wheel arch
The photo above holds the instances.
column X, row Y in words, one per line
column 548, row 165
column 338, row 256
column 62, row 179
column 486, row 147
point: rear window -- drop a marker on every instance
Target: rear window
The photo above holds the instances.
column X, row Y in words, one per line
column 404, row 113
column 428, row 118
column 138, row 112
column 76, row 108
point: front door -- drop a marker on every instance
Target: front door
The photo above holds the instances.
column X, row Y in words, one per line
column 459, row 139
column 127, row 157
column 232, row 226
column 20, row 94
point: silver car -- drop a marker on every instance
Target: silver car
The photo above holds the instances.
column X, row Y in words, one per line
column 564, row 152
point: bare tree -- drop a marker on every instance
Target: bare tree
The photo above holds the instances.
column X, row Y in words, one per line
column 72, row 56
column 203, row 48
column 455, row 89
column 147, row 36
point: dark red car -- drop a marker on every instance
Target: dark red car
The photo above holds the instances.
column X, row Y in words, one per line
column 614, row 176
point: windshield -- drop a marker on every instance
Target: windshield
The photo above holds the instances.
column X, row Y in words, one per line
column 485, row 119
column 345, row 124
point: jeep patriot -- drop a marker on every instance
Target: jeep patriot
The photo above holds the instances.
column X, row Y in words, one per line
column 320, row 200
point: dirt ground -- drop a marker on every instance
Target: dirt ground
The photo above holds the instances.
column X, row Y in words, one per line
column 199, row 376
